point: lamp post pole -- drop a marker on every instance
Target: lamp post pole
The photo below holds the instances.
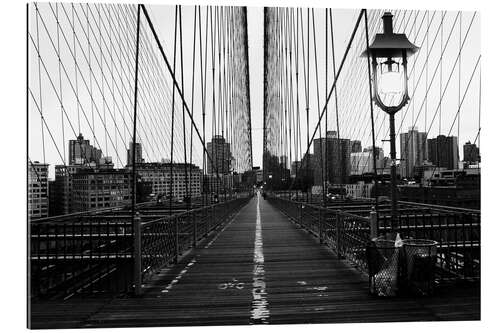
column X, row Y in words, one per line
column 394, row 189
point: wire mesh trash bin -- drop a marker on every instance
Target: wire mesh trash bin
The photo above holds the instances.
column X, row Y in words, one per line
column 384, row 268
column 420, row 259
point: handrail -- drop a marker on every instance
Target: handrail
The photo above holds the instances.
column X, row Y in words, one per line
column 456, row 231
column 334, row 210
column 87, row 213
column 441, row 208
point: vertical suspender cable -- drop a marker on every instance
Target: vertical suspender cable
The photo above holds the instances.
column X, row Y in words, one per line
column 203, row 81
column 183, row 106
column 40, row 83
column 371, row 115
column 326, row 106
column 459, row 77
column 322, row 153
column 190, row 194
column 441, row 73
column 75, row 66
column 134, row 136
column 60, row 82
column 335, row 88
column 171, row 189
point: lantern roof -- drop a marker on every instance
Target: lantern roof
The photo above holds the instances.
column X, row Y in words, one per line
column 389, row 44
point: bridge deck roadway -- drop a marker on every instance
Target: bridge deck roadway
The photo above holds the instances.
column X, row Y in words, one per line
column 254, row 271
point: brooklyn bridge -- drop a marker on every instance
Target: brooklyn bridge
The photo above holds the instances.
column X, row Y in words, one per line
column 146, row 202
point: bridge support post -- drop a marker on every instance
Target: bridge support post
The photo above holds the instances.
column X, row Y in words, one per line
column 137, row 256
column 373, row 224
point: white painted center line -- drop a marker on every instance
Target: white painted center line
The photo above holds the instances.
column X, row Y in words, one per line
column 193, row 261
column 179, row 276
column 260, row 312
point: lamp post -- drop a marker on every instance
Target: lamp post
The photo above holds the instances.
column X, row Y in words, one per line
column 389, row 53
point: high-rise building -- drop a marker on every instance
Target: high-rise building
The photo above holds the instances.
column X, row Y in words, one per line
column 138, row 153
column 214, row 184
column 94, row 189
column 106, row 162
column 362, row 162
column 63, row 187
column 82, row 152
column 413, row 153
column 471, row 152
column 379, row 152
column 443, row 151
column 219, row 153
column 284, row 161
column 52, row 198
column 259, row 175
column 337, row 152
column 356, row 146
column 38, row 183
column 295, row 168
column 187, row 179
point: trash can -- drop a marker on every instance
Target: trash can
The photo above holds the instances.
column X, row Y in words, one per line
column 420, row 261
column 384, row 269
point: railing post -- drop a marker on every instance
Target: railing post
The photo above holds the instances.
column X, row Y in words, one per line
column 301, row 213
column 206, row 221
column 176, row 259
column 195, row 233
column 373, row 224
column 137, row 255
column 337, row 233
column 320, row 226
column 212, row 217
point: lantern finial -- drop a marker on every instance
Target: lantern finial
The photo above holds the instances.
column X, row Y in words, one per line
column 387, row 18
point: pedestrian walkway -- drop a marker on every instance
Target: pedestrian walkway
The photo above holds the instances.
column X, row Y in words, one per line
column 262, row 268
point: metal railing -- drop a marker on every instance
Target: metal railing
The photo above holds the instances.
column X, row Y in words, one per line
column 347, row 229
column 458, row 237
column 79, row 253
column 92, row 253
column 345, row 233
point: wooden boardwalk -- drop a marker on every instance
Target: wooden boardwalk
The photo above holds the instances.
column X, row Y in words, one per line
column 257, row 271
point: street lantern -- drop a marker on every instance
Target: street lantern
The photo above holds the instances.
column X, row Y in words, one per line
column 389, row 53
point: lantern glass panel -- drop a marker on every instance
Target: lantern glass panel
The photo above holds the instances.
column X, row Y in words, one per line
column 390, row 82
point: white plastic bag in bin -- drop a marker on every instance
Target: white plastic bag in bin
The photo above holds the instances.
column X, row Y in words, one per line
column 386, row 280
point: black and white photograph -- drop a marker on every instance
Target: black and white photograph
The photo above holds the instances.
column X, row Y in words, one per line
column 216, row 164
